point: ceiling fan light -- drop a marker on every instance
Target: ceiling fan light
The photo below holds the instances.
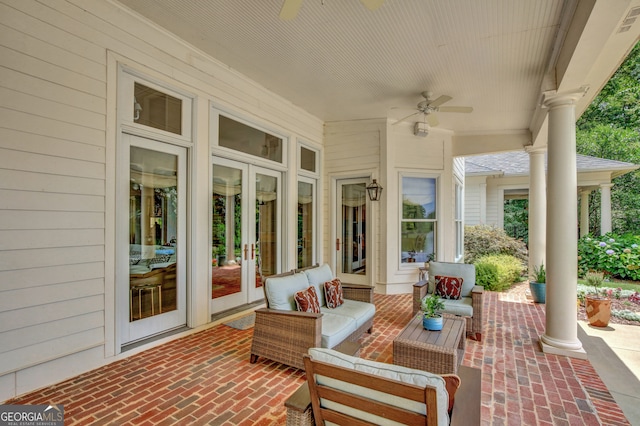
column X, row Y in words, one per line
column 421, row 129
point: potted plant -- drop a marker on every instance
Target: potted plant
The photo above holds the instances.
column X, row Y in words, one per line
column 431, row 307
column 597, row 304
column 538, row 284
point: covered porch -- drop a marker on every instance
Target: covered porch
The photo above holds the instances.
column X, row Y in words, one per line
column 206, row 377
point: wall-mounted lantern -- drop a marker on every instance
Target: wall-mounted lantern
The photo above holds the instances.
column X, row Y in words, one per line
column 374, row 190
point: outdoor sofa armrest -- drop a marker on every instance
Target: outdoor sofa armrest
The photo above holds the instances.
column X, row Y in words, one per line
column 419, row 292
column 358, row 292
column 285, row 336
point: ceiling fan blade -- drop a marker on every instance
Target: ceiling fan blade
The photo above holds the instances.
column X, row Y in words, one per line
column 439, row 101
column 372, row 4
column 455, row 109
column 432, row 120
column 290, row 9
column 406, row 118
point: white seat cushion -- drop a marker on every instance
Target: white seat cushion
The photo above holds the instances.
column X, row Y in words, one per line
column 335, row 329
column 361, row 312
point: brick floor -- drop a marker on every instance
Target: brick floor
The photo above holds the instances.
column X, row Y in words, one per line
column 206, row 378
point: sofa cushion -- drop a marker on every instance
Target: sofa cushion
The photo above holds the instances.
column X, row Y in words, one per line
column 465, row 271
column 389, row 371
column 333, row 293
column 335, row 328
column 448, row 287
column 307, row 300
column 280, row 290
column 317, row 277
column 361, row 312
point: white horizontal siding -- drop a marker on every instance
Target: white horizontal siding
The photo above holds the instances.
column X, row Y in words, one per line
column 20, row 219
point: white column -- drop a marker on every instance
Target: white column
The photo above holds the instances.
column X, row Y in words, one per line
column 537, row 209
column 584, row 212
column 605, row 208
column 561, row 334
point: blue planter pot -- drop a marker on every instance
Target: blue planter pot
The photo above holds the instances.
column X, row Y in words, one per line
column 538, row 292
column 433, row 324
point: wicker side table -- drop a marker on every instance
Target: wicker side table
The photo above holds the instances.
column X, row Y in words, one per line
column 439, row 352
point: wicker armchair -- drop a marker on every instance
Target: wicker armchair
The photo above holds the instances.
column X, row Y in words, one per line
column 286, row 336
column 467, row 271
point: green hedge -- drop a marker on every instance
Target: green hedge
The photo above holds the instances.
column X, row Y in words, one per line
column 496, row 272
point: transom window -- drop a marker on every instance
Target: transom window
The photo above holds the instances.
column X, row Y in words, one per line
column 240, row 137
column 418, row 218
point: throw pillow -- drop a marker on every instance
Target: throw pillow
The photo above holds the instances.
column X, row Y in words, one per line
column 333, row 293
column 307, row 300
column 448, row 287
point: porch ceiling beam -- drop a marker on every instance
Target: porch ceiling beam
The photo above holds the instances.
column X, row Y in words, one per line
column 472, row 144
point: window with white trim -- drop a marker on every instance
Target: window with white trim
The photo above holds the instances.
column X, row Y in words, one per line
column 418, row 220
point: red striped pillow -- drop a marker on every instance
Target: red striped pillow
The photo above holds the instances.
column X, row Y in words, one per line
column 333, row 293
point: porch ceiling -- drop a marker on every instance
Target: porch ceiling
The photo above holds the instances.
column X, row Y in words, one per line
column 340, row 61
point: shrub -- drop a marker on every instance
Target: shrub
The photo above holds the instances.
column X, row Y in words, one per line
column 481, row 240
column 617, row 255
column 508, row 270
column 486, row 275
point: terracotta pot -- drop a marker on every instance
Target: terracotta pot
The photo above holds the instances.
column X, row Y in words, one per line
column 598, row 310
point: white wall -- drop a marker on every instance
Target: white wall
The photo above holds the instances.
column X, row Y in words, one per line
column 57, row 165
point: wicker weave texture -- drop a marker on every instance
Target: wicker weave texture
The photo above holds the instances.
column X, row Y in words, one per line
column 438, row 352
column 300, row 418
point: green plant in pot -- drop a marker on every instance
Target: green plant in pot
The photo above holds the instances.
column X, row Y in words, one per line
column 538, row 284
column 431, row 306
column 597, row 305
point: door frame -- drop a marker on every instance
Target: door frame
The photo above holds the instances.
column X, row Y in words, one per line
column 368, row 277
column 249, row 293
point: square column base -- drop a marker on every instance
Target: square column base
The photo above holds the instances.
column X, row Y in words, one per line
column 571, row 353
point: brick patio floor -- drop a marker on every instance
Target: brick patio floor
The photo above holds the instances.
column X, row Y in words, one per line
column 206, row 378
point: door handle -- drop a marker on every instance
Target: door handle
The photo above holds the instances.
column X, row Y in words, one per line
column 253, row 252
column 246, row 249
column 337, row 244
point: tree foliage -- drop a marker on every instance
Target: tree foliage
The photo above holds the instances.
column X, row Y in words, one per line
column 610, row 128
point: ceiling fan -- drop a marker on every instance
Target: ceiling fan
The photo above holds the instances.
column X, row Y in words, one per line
column 290, row 8
column 429, row 106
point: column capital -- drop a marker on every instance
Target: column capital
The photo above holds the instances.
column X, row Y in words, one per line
column 606, row 185
column 570, row 97
column 585, row 191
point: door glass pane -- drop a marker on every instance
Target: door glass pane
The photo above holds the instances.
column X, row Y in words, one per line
column 240, row 137
column 227, row 231
column 156, row 109
column 266, row 226
column 153, row 225
column 354, row 214
column 305, row 224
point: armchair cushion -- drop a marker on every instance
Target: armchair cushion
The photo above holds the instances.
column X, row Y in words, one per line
column 462, row 307
column 448, row 287
column 463, row 270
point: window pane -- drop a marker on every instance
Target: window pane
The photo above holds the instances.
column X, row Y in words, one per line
column 418, row 241
column 153, row 227
column 156, row 109
column 240, row 137
column 266, row 225
column 418, row 198
column 305, row 224
column 307, row 159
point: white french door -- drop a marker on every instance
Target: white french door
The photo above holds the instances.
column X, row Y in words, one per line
column 351, row 245
column 246, row 232
column 152, row 217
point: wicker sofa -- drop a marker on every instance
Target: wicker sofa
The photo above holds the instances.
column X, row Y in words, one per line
column 468, row 306
column 283, row 334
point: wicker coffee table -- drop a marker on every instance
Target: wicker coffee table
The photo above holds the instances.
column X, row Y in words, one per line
column 439, row 352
